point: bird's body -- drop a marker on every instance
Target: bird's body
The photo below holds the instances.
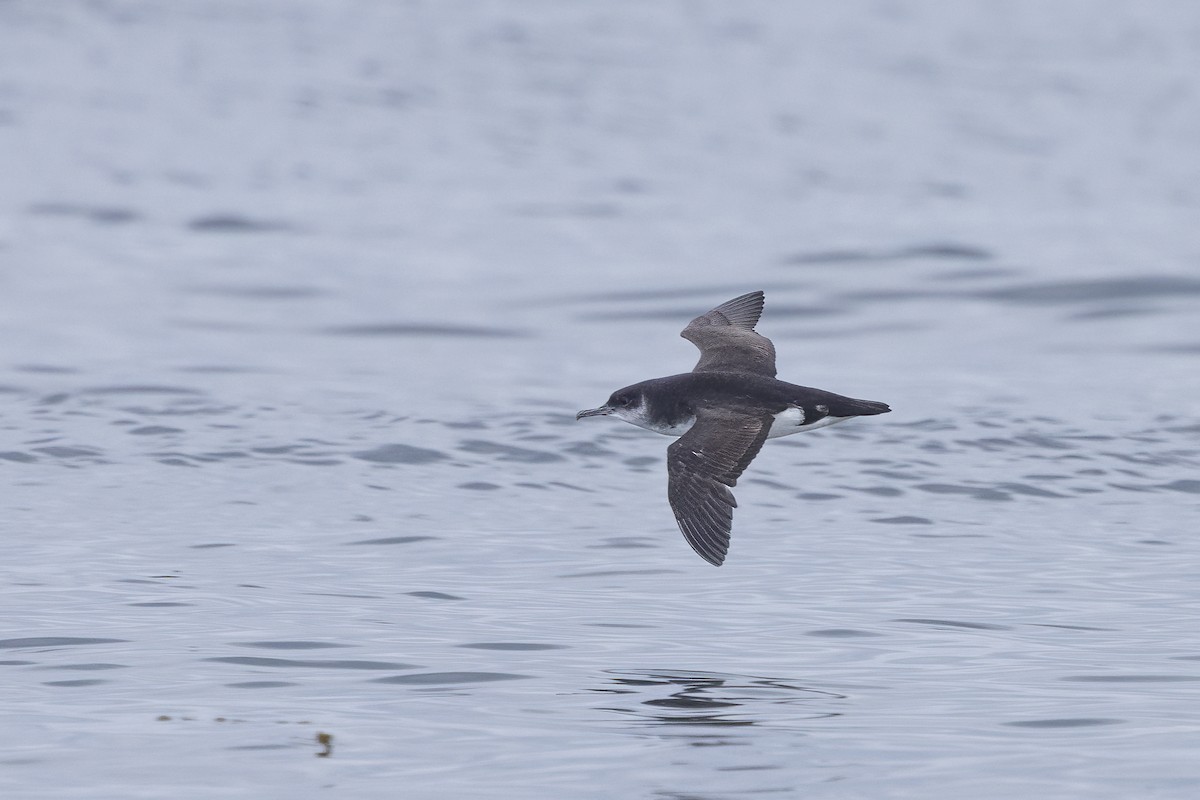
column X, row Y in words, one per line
column 671, row 403
column 723, row 411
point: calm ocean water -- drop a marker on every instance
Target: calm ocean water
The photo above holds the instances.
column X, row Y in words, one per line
column 298, row 300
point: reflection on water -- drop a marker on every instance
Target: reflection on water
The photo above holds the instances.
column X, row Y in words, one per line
column 681, row 698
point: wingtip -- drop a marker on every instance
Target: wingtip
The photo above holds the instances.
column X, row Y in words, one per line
column 744, row 310
column 716, row 559
column 711, row 549
column 757, row 296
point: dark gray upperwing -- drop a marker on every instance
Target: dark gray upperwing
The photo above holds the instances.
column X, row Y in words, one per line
column 701, row 465
column 727, row 341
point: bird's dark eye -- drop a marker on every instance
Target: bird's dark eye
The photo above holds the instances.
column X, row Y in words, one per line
column 625, row 400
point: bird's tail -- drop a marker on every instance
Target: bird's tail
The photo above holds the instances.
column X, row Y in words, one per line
column 868, row 407
column 851, row 407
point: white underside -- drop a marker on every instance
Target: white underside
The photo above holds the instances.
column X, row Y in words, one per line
column 787, row 422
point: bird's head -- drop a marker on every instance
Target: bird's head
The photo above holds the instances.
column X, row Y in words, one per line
column 628, row 404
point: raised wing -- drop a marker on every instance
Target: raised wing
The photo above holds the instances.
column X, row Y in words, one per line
column 727, row 340
column 701, row 465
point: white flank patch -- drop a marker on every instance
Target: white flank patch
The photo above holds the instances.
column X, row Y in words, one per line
column 791, row 420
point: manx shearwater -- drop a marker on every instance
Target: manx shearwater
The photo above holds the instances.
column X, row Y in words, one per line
column 722, row 411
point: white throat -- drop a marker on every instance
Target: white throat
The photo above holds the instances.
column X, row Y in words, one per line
column 637, row 416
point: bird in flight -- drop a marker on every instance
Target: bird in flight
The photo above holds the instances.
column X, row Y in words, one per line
column 722, row 411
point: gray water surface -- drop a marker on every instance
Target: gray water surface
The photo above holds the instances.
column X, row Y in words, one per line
column 298, row 302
